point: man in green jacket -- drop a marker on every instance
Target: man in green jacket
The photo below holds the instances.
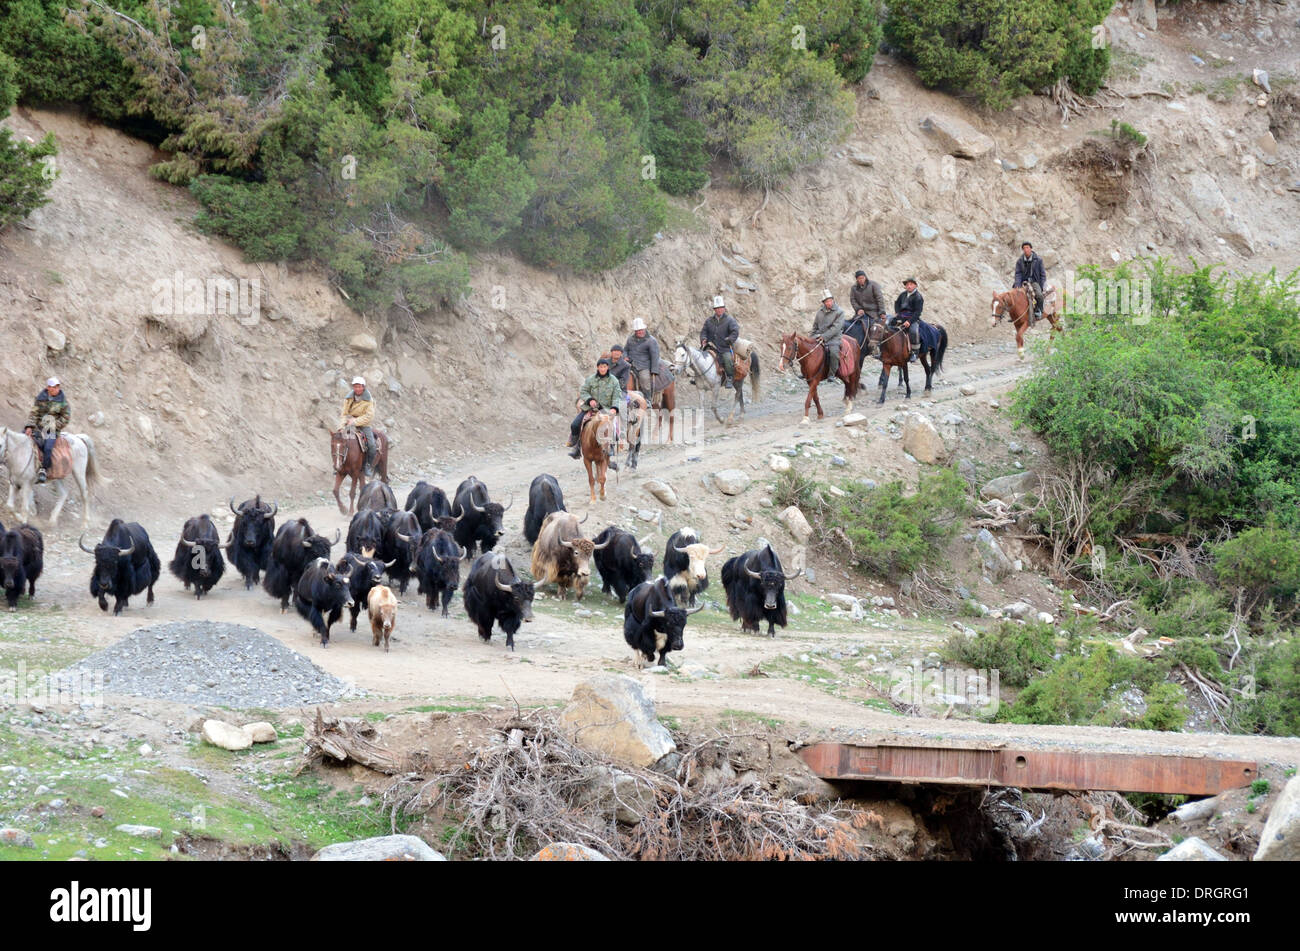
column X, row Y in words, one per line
column 599, row 391
column 48, row 418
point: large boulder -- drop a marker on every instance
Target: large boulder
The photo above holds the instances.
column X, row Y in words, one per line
column 922, row 440
column 1191, row 850
column 957, row 137
column 731, row 481
column 1280, row 840
column 568, row 852
column 796, row 523
column 613, row 716
column 1204, row 197
column 992, row 558
column 661, row 491
column 226, row 735
column 1010, row 487
column 384, row 848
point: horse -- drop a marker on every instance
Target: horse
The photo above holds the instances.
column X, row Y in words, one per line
column 931, row 352
column 810, row 354
column 20, row 454
column 664, row 401
column 701, row 368
column 637, row 411
column 597, row 442
column 349, row 460
column 1015, row 305
column 895, row 350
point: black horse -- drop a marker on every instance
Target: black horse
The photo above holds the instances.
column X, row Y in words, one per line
column 934, row 344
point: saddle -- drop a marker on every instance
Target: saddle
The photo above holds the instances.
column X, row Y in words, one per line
column 848, row 357
column 611, row 419
column 1049, row 297
column 740, row 358
column 60, row 458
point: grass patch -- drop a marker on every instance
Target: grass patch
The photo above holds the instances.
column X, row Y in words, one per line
column 750, row 717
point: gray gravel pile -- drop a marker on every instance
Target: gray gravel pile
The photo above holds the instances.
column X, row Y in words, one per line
column 210, row 662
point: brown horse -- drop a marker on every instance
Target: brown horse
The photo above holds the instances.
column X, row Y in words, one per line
column 664, row 401
column 1015, row 304
column 597, row 441
column 811, row 356
column 894, row 349
column 349, row 459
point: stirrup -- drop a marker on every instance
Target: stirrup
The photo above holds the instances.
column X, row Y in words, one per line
column 576, row 451
column 40, row 475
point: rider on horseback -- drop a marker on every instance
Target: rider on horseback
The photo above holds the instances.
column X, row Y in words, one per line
column 719, row 334
column 643, row 354
column 867, row 298
column 600, row 391
column 1032, row 275
column 907, row 311
column 51, row 403
column 828, row 326
column 359, row 410
column 619, row 368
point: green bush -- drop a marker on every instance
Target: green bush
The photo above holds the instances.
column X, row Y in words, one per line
column 1000, row 49
column 263, row 219
column 1016, row 651
column 1272, row 704
column 1262, row 562
column 25, row 175
column 677, row 143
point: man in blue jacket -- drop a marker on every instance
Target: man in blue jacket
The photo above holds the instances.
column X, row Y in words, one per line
column 1030, row 273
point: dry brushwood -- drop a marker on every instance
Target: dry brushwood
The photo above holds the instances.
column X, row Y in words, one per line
column 533, row 787
column 353, row 741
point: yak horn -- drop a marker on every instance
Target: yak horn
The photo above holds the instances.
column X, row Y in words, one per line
column 699, row 607
column 566, row 542
column 275, row 507
column 406, row 538
column 389, row 564
column 126, row 552
column 338, row 533
column 793, row 576
column 497, row 579
column 604, row 545
column 750, row 571
column 643, row 542
column 585, row 517
column 231, row 503
column 81, row 543
column 714, row 551
column 679, row 549
column 510, row 503
column 464, row 552
column 193, row 545
column 474, row 505
column 657, row 613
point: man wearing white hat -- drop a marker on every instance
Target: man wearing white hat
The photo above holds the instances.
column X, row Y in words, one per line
column 719, row 333
column 48, row 418
column 828, row 326
column 359, row 410
column 642, row 352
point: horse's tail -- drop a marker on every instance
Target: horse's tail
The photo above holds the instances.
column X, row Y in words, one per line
column 943, row 348
column 92, row 463
column 754, row 380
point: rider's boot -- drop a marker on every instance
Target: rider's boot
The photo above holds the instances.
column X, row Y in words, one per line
column 613, row 465
column 575, row 452
column 40, row 475
column 368, row 469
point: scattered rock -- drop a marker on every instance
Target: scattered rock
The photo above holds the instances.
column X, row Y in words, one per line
column 1192, row 849
column 860, row 158
column 854, row 419
column 140, row 832
column 1260, row 78
column 1280, row 840
column 965, row 389
column 796, row 523
column 1010, row 487
column 260, row 732
column 957, row 137
column 992, row 558
column 1194, row 811
column 97, row 812
column 17, row 838
column 364, row 343
column 612, row 715
column 731, row 481
column 568, row 852
column 54, row 339
column 922, row 440
column 1045, row 618
column 225, row 735
column 384, row 848
column 965, row 237
column 1017, row 609
column 661, row 491
column 927, row 234
column 779, row 463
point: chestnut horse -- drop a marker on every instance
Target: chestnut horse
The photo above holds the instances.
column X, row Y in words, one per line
column 811, row 356
column 597, row 441
column 349, row 459
column 1015, row 305
column 895, row 350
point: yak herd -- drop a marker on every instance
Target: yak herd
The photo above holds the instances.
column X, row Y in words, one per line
column 427, row 540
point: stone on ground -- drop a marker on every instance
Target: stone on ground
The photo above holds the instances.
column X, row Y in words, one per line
column 384, row 848
column 612, row 715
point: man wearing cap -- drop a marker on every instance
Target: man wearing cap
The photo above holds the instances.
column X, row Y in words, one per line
column 599, row 391
column 828, row 325
column 359, row 409
column 867, row 298
column 720, row 333
column 619, row 368
column 643, row 354
column 1031, row 273
column 48, row 418
column 907, row 310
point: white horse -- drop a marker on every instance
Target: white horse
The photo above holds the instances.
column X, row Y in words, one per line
column 19, row 453
column 702, row 370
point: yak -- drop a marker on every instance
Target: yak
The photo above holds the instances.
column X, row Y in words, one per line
column 438, row 568
column 430, row 504
column 684, row 558
column 125, row 564
column 198, row 560
column 320, row 596
column 562, row 555
column 652, row 621
column 755, row 586
column 401, row 544
column 295, row 547
column 366, row 533
column 364, row 573
column 249, row 544
column 621, row 561
column 376, row 495
column 544, row 497
column 382, row 607
column 478, row 519
column 22, row 559
column 494, row 593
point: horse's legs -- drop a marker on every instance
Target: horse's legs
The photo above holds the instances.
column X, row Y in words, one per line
column 591, row 477
column 338, row 483
column 84, row 489
column 884, row 382
column 1020, row 338
column 928, row 367
column 58, row 503
column 907, row 381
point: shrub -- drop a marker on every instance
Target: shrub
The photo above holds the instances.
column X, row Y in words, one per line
column 1262, row 562
column 25, row 176
column 263, row 219
column 1016, row 651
